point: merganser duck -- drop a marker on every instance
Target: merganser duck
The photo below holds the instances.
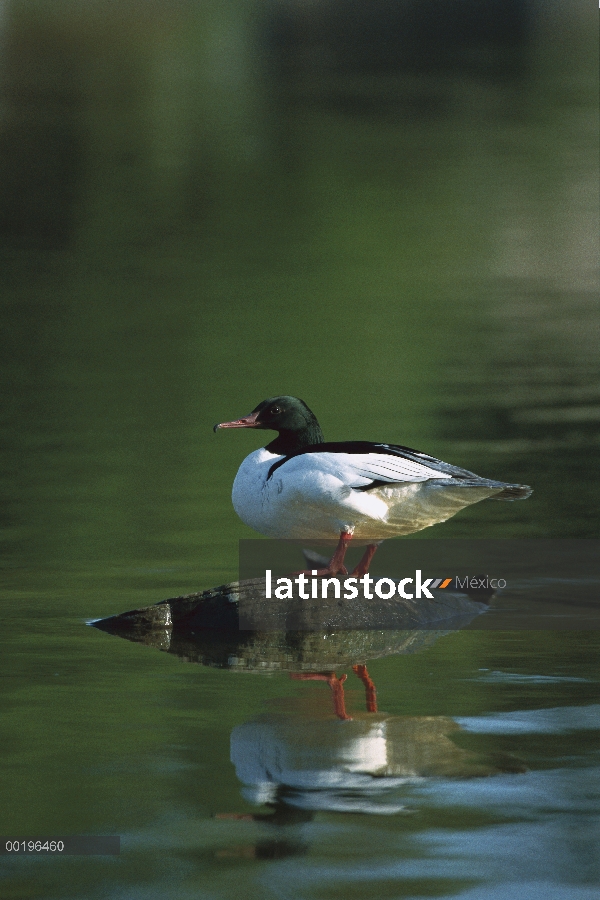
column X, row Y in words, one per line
column 300, row 486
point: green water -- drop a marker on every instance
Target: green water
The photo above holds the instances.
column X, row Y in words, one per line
column 180, row 240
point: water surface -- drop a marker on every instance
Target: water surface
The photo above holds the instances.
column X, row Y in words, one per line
column 187, row 230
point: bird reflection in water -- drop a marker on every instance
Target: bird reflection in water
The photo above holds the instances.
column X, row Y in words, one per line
column 309, row 758
column 297, row 764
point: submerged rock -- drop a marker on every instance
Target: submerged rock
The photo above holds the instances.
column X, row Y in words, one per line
column 234, row 626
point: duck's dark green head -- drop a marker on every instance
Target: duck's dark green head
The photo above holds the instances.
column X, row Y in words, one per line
column 296, row 423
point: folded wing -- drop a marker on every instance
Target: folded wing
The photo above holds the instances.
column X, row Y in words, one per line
column 363, row 470
column 364, row 465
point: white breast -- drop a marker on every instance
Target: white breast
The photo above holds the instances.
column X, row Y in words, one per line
column 250, row 493
column 305, row 498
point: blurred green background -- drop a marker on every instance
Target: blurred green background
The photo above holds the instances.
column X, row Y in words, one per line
column 390, row 212
column 189, row 226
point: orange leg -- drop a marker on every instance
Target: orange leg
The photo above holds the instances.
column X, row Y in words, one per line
column 363, row 566
column 336, row 685
column 371, row 690
column 336, row 563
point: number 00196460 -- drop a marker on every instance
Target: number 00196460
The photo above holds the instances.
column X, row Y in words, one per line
column 34, row 846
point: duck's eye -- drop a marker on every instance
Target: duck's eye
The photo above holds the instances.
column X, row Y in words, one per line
column 275, row 410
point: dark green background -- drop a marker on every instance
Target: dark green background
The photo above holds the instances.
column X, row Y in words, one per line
column 184, row 233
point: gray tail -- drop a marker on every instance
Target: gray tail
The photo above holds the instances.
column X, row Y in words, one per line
column 513, row 492
column 505, row 491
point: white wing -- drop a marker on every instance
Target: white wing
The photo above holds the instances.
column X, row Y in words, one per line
column 359, row 469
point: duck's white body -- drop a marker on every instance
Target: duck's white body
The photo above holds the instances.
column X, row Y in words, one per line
column 301, row 486
column 318, row 495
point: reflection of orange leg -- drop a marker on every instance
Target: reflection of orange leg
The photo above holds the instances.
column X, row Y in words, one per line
column 363, row 567
column 371, row 690
column 336, row 685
